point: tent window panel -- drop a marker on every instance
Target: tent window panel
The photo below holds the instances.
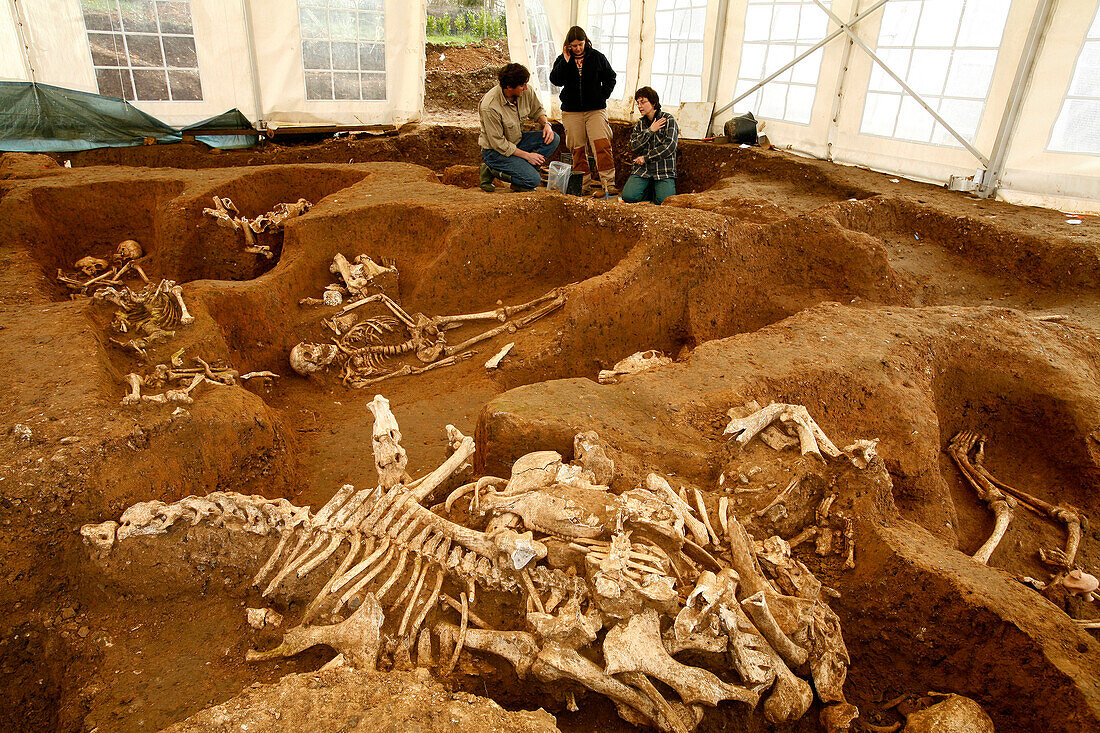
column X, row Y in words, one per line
column 318, row 85
column 678, row 49
column 800, row 103
column 914, row 122
column 175, row 17
column 881, row 114
column 138, row 16
column 1086, row 77
column 109, row 82
column 982, row 23
column 939, row 23
column 144, row 50
column 101, row 17
column 343, row 25
column 184, row 85
column 609, row 29
column 145, row 36
column 106, row 50
column 311, row 22
column 373, row 86
column 543, row 49
column 151, row 83
column 342, row 39
column 179, row 52
column 778, row 31
column 899, row 23
column 928, row 74
column 808, row 70
column 1077, row 129
column 948, row 61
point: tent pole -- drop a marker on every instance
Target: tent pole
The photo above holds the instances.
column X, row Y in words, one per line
column 574, row 12
column 718, row 50
column 1040, row 21
column 909, row 90
column 24, row 44
column 257, row 100
column 800, row 56
column 838, row 91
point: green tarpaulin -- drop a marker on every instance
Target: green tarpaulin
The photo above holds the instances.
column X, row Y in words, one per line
column 37, row 118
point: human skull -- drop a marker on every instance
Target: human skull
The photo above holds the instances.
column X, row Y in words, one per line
column 308, row 358
column 128, row 250
column 91, row 265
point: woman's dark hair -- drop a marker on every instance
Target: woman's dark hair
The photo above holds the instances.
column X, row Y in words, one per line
column 648, row 93
column 576, row 33
column 513, row 75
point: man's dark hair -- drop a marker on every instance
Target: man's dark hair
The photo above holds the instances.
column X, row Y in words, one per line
column 576, row 33
column 648, row 93
column 513, row 75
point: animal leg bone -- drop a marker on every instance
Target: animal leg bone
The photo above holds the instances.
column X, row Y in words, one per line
column 358, row 637
column 185, row 316
column 757, row 609
column 635, row 646
column 1001, row 504
column 1074, row 520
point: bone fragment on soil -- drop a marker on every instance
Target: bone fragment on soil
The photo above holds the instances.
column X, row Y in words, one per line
column 495, row 359
column 636, row 363
column 812, row 438
column 258, row 618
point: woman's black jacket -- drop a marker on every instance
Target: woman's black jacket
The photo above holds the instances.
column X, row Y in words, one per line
column 584, row 92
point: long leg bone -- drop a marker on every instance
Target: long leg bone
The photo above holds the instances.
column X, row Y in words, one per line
column 358, row 637
column 757, row 609
column 1074, row 520
column 1001, row 504
column 177, row 294
column 635, row 646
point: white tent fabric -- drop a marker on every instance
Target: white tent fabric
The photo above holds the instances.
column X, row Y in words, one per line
column 249, row 54
column 1005, row 91
column 1026, row 112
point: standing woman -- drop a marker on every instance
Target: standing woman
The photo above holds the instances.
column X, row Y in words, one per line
column 586, row 80
column 653, row 141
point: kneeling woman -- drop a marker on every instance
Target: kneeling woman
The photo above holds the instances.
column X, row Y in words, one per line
column 653, row 141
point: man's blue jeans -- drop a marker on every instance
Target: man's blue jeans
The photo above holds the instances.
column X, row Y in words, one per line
column 638, row 189
column 524, row 175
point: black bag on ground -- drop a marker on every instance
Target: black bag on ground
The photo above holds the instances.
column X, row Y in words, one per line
column 741, row 129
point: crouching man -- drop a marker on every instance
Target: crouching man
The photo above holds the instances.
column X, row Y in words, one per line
column 507, row 152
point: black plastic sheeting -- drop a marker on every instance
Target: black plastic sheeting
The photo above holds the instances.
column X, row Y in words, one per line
column 38, row 118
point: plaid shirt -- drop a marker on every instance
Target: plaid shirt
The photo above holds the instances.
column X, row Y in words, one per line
column 659, row 148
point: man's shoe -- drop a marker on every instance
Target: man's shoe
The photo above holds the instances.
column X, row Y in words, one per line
column 519, row 189
column 611, row 192
column 485, row 179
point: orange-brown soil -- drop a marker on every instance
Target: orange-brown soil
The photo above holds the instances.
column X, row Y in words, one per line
column 895, row 311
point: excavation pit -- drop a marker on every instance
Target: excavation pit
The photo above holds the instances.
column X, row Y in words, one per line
column 767, row 284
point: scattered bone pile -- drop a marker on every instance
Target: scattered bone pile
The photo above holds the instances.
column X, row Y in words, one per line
column 226, row 215
column 967, row 449
column 362, row 351
column 146, row 315
column 187, row 379
column 592, row 590
column 93, row 273
column 359, row 278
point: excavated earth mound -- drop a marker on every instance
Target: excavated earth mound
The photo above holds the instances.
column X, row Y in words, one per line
column 892, row 311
